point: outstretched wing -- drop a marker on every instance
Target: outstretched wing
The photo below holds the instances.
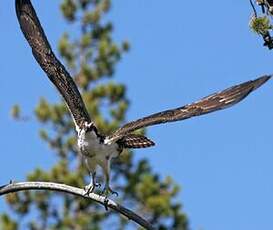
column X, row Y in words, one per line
column 211, row 103
column 44, row 55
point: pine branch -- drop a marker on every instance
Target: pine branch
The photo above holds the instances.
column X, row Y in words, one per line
column 22, row 186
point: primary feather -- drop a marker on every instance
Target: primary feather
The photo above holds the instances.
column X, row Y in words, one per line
column 56, row 72
column 211, row 103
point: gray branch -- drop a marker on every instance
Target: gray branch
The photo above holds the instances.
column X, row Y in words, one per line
column 20, row 186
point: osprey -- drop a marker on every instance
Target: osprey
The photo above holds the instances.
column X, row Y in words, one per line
column 96, row 148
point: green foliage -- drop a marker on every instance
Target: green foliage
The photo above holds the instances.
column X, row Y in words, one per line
column 15, row 112
column 7, row 223
column 91, row 57
column 260, row 25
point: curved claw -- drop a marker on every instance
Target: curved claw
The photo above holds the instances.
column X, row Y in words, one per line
column 113, row 192
column 98, row 185
column 107, row 190
column 89, row 189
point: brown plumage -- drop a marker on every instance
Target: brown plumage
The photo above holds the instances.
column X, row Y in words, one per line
column 135, row 141
column 211, row 103
column 56, row 72
column 96, row 148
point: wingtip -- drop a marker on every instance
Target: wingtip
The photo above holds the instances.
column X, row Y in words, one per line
column 260, row 81
column 17, row 6
column 19, row 3
column 152, row 143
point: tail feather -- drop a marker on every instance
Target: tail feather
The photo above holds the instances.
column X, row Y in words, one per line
column 135, row 141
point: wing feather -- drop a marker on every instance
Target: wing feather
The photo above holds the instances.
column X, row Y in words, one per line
column 135, row 141
column 211, row 103
column 56, row 72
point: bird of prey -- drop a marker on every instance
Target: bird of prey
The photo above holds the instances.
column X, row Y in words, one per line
column 96, row 148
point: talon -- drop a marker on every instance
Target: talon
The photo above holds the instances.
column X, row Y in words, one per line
column 98, row 185
column 108, row 190
column 114, row 193
column 88, row 189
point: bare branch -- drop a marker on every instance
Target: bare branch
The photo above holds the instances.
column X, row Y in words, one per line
column 21, row 186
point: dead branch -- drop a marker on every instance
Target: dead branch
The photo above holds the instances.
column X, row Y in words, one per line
column 106, row 202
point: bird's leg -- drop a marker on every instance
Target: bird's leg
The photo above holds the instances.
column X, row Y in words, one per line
column 92, row 185
column 95, row 184
column 107, row 188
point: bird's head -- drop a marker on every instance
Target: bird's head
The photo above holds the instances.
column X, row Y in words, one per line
column 88, row 127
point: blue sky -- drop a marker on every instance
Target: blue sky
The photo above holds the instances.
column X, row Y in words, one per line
column 181, row 51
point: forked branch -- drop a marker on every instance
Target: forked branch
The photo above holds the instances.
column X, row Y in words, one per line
column 21, row 186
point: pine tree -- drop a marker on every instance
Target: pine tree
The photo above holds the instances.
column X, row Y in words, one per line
column 91, row 57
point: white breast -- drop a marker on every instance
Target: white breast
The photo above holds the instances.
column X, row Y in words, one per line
column 90, row 146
